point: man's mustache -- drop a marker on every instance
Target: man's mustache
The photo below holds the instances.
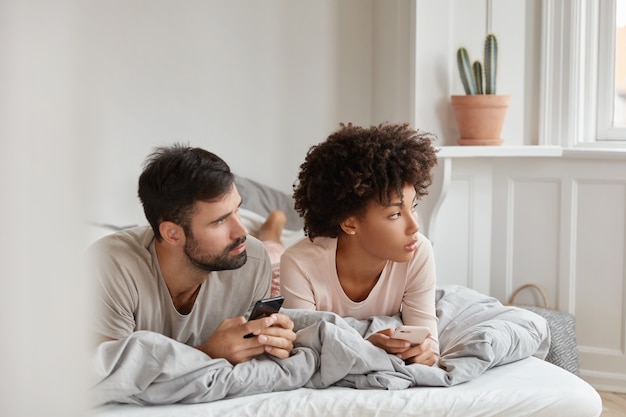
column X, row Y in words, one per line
column 236, row 243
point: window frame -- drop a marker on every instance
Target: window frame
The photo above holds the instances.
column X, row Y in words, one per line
column 576, row 49
column 606, row 85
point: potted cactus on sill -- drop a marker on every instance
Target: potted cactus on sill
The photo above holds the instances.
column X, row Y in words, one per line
column 480, row 112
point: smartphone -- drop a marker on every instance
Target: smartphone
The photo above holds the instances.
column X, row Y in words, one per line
column 413, row 334
column 264, row 308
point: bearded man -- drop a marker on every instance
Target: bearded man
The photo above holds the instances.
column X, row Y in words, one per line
column 194, row 272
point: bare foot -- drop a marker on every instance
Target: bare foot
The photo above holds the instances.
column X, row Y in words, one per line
column 273, row 226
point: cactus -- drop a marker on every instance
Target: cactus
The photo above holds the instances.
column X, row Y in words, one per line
column 472, row 75
column 465, row 70
column 477, row 68
column 491, row 63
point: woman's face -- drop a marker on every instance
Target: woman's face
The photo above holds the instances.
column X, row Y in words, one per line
column 390, row 232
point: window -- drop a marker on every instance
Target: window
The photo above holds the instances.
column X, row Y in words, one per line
column 583, row 95
column 620, row 65
column 612, row 71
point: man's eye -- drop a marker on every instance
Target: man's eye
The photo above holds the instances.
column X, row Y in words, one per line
column 414, row 208
column 395, row 216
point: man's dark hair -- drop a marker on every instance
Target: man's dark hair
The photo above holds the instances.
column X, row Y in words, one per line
column 356, row 165
column 175, row 177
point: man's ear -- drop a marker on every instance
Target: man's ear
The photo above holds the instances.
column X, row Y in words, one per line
column 349, row 225
column 172, row 233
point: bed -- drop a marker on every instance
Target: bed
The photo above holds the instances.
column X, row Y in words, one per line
column 530, row 387
column 491, row 364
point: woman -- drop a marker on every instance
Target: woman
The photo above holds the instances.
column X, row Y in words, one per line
column 364, row 256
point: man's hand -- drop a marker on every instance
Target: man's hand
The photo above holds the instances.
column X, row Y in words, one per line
column 278, row 338
column 421, row 353
column 273, row 334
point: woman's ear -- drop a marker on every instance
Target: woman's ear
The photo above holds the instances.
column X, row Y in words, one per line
column 172, row 233
column 349, row 226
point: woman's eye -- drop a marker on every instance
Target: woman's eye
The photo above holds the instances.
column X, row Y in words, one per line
column 395, row 216
column 414, row 208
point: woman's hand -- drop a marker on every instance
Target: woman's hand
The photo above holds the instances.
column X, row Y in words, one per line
column 421, row 353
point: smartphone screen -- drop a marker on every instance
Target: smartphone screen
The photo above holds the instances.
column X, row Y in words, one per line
column 264, row 308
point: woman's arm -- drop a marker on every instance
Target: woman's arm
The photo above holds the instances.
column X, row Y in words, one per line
column 418, row 304
column 295, row 285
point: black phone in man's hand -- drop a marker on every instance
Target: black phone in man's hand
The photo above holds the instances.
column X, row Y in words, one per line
column 264, row 308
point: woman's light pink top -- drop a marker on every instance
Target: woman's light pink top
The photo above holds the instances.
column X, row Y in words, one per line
column 308, row 280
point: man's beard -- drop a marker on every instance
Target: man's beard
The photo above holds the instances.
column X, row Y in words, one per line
column 221, row 262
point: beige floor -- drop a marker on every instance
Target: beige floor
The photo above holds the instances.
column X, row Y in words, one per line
column 613, row 404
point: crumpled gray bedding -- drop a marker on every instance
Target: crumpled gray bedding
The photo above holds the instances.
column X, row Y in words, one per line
column 476, row 332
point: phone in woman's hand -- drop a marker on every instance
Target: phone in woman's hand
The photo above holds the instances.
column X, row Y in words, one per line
column 413, row 334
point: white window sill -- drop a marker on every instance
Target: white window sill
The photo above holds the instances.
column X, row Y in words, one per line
column 587, row 152
column 595, row 153
column 498, row 151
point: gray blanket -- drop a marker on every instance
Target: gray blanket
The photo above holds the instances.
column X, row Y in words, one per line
column 476, row 332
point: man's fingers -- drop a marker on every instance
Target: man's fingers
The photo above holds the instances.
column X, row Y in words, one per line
column 284, row 321
column 278, row 353
column 279, row 342
column 255, row 327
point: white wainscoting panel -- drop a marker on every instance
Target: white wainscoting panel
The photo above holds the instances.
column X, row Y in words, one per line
column 599, row 265
column 599, row 272
column 454, row 264
column 562, row 224
column 531, row 241
column 462, row 241
column 556, row 222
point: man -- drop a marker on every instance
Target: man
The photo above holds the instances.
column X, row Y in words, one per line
column 194, row 272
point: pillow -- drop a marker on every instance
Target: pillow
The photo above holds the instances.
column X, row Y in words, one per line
column 262, row 199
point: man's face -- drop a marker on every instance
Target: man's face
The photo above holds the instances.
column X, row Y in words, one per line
column 216, row 239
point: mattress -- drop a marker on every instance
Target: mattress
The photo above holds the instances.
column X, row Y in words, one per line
column 529, row 387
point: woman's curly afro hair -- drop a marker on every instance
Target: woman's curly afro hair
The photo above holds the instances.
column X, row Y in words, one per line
column 357, row 165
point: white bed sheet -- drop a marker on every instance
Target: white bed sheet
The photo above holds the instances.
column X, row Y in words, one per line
column 530, row 387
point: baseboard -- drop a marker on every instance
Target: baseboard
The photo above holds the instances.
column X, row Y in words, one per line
column 605, row 381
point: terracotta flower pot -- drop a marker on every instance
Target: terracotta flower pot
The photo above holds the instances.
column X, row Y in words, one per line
column 480, row 118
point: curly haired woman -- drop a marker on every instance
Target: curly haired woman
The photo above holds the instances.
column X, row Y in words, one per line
column 364, row 256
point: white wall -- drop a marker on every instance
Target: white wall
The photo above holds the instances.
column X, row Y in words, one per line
column 257, row 83
column 43, row 298
column 445, row 25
